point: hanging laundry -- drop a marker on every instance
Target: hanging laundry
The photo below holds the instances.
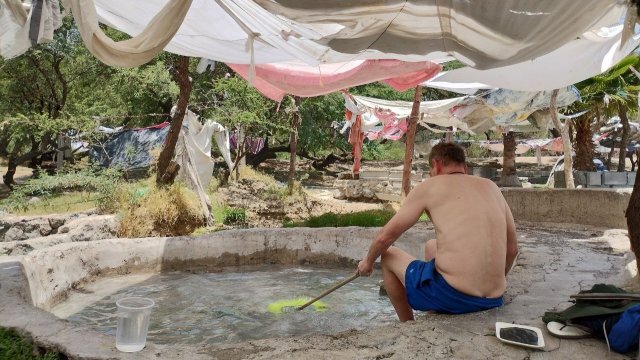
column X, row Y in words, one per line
column 251, row 144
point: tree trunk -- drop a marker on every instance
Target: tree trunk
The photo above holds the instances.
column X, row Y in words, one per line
column 293, row 143
column 622, row 159
column 584, row 144
column 15, row 160
column 610, row 155
column 241, row 152
column 633, row 219
column 166, row 155
column 412, row 123
column 566, row 144
column 509, row 171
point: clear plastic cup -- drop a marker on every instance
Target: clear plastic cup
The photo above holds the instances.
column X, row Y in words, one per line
column 133, row 323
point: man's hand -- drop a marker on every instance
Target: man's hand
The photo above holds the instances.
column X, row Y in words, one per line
column 365, row 268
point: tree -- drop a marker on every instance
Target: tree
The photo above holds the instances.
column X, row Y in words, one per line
column 236, row 104
column 59, row 87
column 34, row 89
column 509, row 172
column 611, row 93
column 583, row 145
column 167, row 170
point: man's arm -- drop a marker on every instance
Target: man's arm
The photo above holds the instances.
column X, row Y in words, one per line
column 406, row 217
column 512, row 241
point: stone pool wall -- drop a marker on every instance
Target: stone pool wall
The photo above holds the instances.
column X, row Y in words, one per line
column 596, row 207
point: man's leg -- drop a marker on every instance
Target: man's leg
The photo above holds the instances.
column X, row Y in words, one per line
column 430, row 250
column 394, row 266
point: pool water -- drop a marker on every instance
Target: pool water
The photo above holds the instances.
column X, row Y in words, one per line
column 231, row 306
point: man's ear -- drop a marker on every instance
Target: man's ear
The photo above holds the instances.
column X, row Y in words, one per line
column 437, row 165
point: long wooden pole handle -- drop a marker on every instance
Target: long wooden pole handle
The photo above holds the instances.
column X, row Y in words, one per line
column 334, row 288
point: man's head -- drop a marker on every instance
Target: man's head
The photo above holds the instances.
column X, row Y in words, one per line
column 446, row 158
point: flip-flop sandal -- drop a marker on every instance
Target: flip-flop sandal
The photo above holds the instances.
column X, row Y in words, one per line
column 567, row 331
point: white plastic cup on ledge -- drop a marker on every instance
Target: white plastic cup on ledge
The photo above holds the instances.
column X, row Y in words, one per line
column 133, row 323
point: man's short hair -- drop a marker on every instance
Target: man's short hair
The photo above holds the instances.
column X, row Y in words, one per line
column 447, row 153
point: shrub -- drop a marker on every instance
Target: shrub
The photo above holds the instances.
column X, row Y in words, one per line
column 247, row 172
column 368, row 218
column 103, row 182
column 476, row 151
column 234, row 216
column 15, row 347
column 159, row 211
column 391, row 150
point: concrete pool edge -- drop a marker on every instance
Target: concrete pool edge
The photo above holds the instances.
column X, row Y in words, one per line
column 76, row 341
column 44, row 277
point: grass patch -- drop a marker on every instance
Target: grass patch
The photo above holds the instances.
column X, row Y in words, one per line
column 52, row 190
column 234, row 216
column 247, row 172
column 217, row 207
column 391, row 150
column 368, row 218
column 15, row 347
column 159, row 211
column 61, row 203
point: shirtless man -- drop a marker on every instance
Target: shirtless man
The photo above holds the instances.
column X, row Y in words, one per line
column 466, row 265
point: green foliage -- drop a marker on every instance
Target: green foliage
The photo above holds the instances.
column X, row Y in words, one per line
column 69, row 202
column 617, row 85
column 15, row 347
column 368, row 218
column 477, row 151
column 390, row 150
column 60, row 87
column 20, row 131
column 88, row 180
column 240, row 104
column 382, row 91
column 126, row 95
column 234, row 216
column 316, row 134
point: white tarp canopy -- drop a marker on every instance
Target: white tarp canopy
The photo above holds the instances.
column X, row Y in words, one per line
column 476, row 114
column 483, row 34
column 460, row 87
column 578, row 60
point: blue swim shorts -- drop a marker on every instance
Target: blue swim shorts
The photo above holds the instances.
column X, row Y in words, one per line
column 427, row 290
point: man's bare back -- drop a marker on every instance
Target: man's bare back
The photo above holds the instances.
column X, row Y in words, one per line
column 471, row 220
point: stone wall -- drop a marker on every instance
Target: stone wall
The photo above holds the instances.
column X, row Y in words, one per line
column 596, row 207
column 21, row 234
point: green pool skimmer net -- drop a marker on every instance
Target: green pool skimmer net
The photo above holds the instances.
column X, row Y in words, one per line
column 283, row 306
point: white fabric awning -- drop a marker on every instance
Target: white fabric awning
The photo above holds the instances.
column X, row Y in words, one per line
column 578, row 60
column 514, row 44
column 461, row 87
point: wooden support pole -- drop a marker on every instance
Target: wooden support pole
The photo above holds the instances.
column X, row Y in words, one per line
column 412, row 124
column 633, row 218
column 566, row 143
column 293, row 143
